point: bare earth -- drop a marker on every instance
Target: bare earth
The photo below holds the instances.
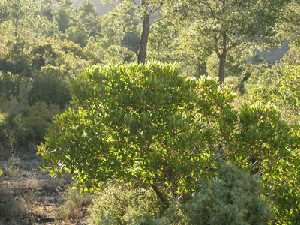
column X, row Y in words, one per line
column 29, row 196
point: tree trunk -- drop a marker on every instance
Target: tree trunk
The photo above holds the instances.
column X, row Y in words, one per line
column 144, row 39
column 222, row 57
column 222, row 61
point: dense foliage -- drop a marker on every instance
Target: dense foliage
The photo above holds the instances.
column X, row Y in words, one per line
column 142, row 123
column 120, row 203
column 230, row 197
column 155, row 128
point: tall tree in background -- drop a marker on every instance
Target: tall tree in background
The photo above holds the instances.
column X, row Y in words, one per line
column 17, row 13
column 89, row 19
column 145, row 34
column 148, row 8
column 64, row 15
column 226, row 24
column 21, row 14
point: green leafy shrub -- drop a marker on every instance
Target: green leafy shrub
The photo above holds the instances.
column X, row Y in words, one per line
column 120, row 203
column 232, row 197
column 28, row 127
column 29, row 107
column 262, row 134
column 269, row 138
column 269, row 147
column 144, row 124
column 152, row 127
column 50, row 89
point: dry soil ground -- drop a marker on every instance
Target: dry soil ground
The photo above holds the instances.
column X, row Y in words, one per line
column 29, row 196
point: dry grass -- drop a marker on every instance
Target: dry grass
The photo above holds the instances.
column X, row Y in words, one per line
column 11, row 206
column 12, row 167
column 74, row 206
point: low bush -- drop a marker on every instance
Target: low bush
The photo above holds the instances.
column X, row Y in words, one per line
column 74, row 205
column 30, row 125
column 232, row 197
column 140, row 123
column 148, row 125
column 24, row 126
column 27, row 110
column 269, row 147
column 50, row 89
column 120, row 204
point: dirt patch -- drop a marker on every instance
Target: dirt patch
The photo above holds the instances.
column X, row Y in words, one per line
column 29, row 196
